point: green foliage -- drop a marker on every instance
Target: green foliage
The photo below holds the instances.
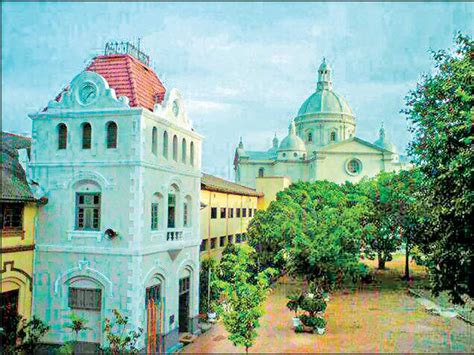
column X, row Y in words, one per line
column 120, row 341
column 22, row 336
column 243, row 294
column 440, row 110
column 392, row 202
column 78, row 324
column 294, row 301
column 209, row 290
column 315, row 230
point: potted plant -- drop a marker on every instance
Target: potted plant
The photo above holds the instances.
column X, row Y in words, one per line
column 212, row 314
column 293, row 305
column 320, row 325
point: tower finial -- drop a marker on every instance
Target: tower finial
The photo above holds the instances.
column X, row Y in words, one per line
column 241, row 144
column 324, row 76
column 382, row 131
column 275, row 141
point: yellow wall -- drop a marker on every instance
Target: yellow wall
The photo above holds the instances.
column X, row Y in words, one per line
column 270, row 186
column 223, row 227
column 17, row 260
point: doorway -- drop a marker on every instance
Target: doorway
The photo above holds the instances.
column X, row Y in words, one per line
column 9, row 311
column 154, row 319
column 184, row 298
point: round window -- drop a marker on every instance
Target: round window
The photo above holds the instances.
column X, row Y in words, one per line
column 295, row 154
column 284, row 155
column 354, row 166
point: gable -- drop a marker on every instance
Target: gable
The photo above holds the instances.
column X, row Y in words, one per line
column 353, row 145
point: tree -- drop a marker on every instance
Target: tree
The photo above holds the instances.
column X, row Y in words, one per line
column 314, row 230
column 209, row 292
column 120, row 341
column 243, row 294
column 440, row 111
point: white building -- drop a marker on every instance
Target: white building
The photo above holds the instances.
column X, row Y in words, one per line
column 120, row 165
column 321, row 145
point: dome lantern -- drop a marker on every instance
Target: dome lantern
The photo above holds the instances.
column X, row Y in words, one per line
column 324, row 76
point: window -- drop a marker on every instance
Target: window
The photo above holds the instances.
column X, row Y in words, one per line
column 153, row 293
column 354, row 166
column 62, row 136
column 244, row 212
column 86, row 136
column 11, row 216
column 254, row 211
column 244, row 237
column 213, row 243
column 85, row 298
column 230, row 239
column 204, row 244
column 111, row 135
column 184, row 285
column 171, row 209
column 310, row 137
column 223, row 212
column 175, row 148
column 238, row 212
column 284, row 155
column 250, row 212
column 295, row 155
column 183, row 151
column 222, row 241
column 333, row 137
column 154, row 215
column 186, row 214
column 154, row 141
column 191, row 154
column 238, row 238
column 230, row 213
column 261, row 172
column 214, row 212
column 165, row 145
column 88, row 211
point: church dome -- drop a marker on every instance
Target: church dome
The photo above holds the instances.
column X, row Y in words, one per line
column 384, row 142
column 325, row 100
column 292, row 141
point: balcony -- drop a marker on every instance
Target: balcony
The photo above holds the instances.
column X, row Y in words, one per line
column 174, row 234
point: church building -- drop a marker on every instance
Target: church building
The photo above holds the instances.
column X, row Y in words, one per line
column 120, row 164
column 321, row 145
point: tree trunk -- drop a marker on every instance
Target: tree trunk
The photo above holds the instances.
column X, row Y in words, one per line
column 246, row 349
column 407, row 261
column 381, row 261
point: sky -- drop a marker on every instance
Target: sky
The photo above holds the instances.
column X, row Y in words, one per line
column 244, row 69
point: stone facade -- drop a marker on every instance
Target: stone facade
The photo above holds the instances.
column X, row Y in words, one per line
column 122, row 217
column 321, row 145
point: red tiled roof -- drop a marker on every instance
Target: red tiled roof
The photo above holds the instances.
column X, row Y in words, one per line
column 130, row 77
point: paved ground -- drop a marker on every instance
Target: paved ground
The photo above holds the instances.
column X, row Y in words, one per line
column 379, row 318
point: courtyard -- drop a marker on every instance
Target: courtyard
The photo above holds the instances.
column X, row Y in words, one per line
column 381, row 317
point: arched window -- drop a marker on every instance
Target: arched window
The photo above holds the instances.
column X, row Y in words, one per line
column 154, row 140
column 155, row 211
column 111, row 135
column 86, row 136
column 62, row 136
column 332, row 137
column 175, row 148
column 183, row 151
column 191, row 153
column 261, row 172
column 310, row 137
column 187, row 212
column 165, row 144
column 172, row 197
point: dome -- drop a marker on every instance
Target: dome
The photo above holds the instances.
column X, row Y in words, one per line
column 383, row 141
column 325, row 100
column 292, row 141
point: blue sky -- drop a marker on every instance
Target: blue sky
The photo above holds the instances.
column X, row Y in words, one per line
column 243, row 68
